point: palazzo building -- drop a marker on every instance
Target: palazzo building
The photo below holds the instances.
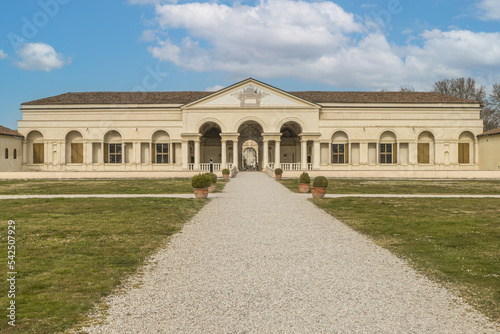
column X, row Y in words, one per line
column 250, row 125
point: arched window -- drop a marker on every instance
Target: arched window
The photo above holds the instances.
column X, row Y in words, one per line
column 36, row 144
column 388, row 150
column 340, row 148
column 74, row 147
column 465, row 148
column 160, row 153
column 425, row 154
column 15, row 154
column 113, row 152
column 6, row 153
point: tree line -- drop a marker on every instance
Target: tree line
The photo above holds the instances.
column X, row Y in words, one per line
column 469, row 89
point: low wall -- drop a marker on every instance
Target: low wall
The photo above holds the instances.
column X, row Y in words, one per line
column 429, row 174
column 408, row 174
column 96, row 175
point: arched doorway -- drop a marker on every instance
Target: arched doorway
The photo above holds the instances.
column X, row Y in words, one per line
column 250, row 155
column 250, row 138
column 210, row 143
column 290, row 146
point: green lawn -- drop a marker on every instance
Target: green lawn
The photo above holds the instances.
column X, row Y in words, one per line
column 366, row 186
column 109, row 186
column 70, row 253
column 454, row 241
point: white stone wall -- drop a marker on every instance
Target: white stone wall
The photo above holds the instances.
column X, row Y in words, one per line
column 10, row 144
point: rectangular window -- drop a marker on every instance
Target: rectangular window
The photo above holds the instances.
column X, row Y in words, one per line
column 338, row 153
column 115, row 153
column 38, row 153
column 463, row 153
column 423, row 153
column 386, row 153
column 162, row 153
column 77, row 153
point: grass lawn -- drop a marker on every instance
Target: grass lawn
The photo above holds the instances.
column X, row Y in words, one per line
column 110, row 186
column 70, row 253
column 454, row 241
column 364, row 186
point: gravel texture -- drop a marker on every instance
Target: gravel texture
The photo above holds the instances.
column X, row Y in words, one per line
column 261, row 259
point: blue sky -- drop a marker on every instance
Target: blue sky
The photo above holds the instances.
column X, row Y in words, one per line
column 50, row 47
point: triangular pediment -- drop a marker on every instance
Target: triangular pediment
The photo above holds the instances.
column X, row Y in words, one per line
column 250, row 93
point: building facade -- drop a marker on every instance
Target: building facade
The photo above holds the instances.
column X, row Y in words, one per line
column 250, row 125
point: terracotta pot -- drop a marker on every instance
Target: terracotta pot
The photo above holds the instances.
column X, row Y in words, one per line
column 304, row 187
column 225, row 176
column 201, row 193
column 211, row 189
column 278, row 176
column 318, row 192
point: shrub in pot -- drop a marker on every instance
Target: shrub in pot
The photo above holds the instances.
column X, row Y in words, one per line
column 304, row 183
column 278, row 172
column 318, row 189
column 200, row 183
column 213, row 177
column 225, row 173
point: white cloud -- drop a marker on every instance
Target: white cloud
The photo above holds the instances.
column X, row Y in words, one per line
column 316, row 41
column 490, row 9
column 40, row 57
column 3, row 55
column 214, row 88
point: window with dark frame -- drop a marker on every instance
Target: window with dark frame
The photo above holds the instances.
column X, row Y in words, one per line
column 6, row 153
column 386, row 153
column 115, row 153
column 15, row 154
column 338, row 153
column 161, row 154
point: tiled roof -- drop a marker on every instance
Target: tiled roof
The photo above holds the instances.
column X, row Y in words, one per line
column 8, row 132
column 490, row 132
column 186, row 97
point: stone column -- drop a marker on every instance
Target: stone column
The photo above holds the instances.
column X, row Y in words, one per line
column 185, row 154
column 123, row 153
column 197, row 154
column 277, row 153
column 265, row 158
column 303, row 154
column 235, row 154
column 316, row 155
column 102, row 158
column 223, row 152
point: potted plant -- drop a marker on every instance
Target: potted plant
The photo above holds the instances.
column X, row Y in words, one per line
column 225, row 173
column 200, row 183
column 278, row 172
column 213, row 177
column 318, row 189
column 304, row 183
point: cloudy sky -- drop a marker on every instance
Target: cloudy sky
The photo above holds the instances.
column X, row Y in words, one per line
column 49, row 47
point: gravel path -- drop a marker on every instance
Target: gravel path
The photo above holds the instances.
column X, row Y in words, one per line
column 260, row 259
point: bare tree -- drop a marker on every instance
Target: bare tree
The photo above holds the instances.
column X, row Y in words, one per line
column 406, row 88
column 493, row 118
column 462, row 88
column 468, row 89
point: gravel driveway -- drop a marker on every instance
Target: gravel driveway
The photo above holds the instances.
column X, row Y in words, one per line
column 260, row 259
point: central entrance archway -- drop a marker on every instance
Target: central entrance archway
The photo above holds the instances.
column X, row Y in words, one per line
column 250, row 139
